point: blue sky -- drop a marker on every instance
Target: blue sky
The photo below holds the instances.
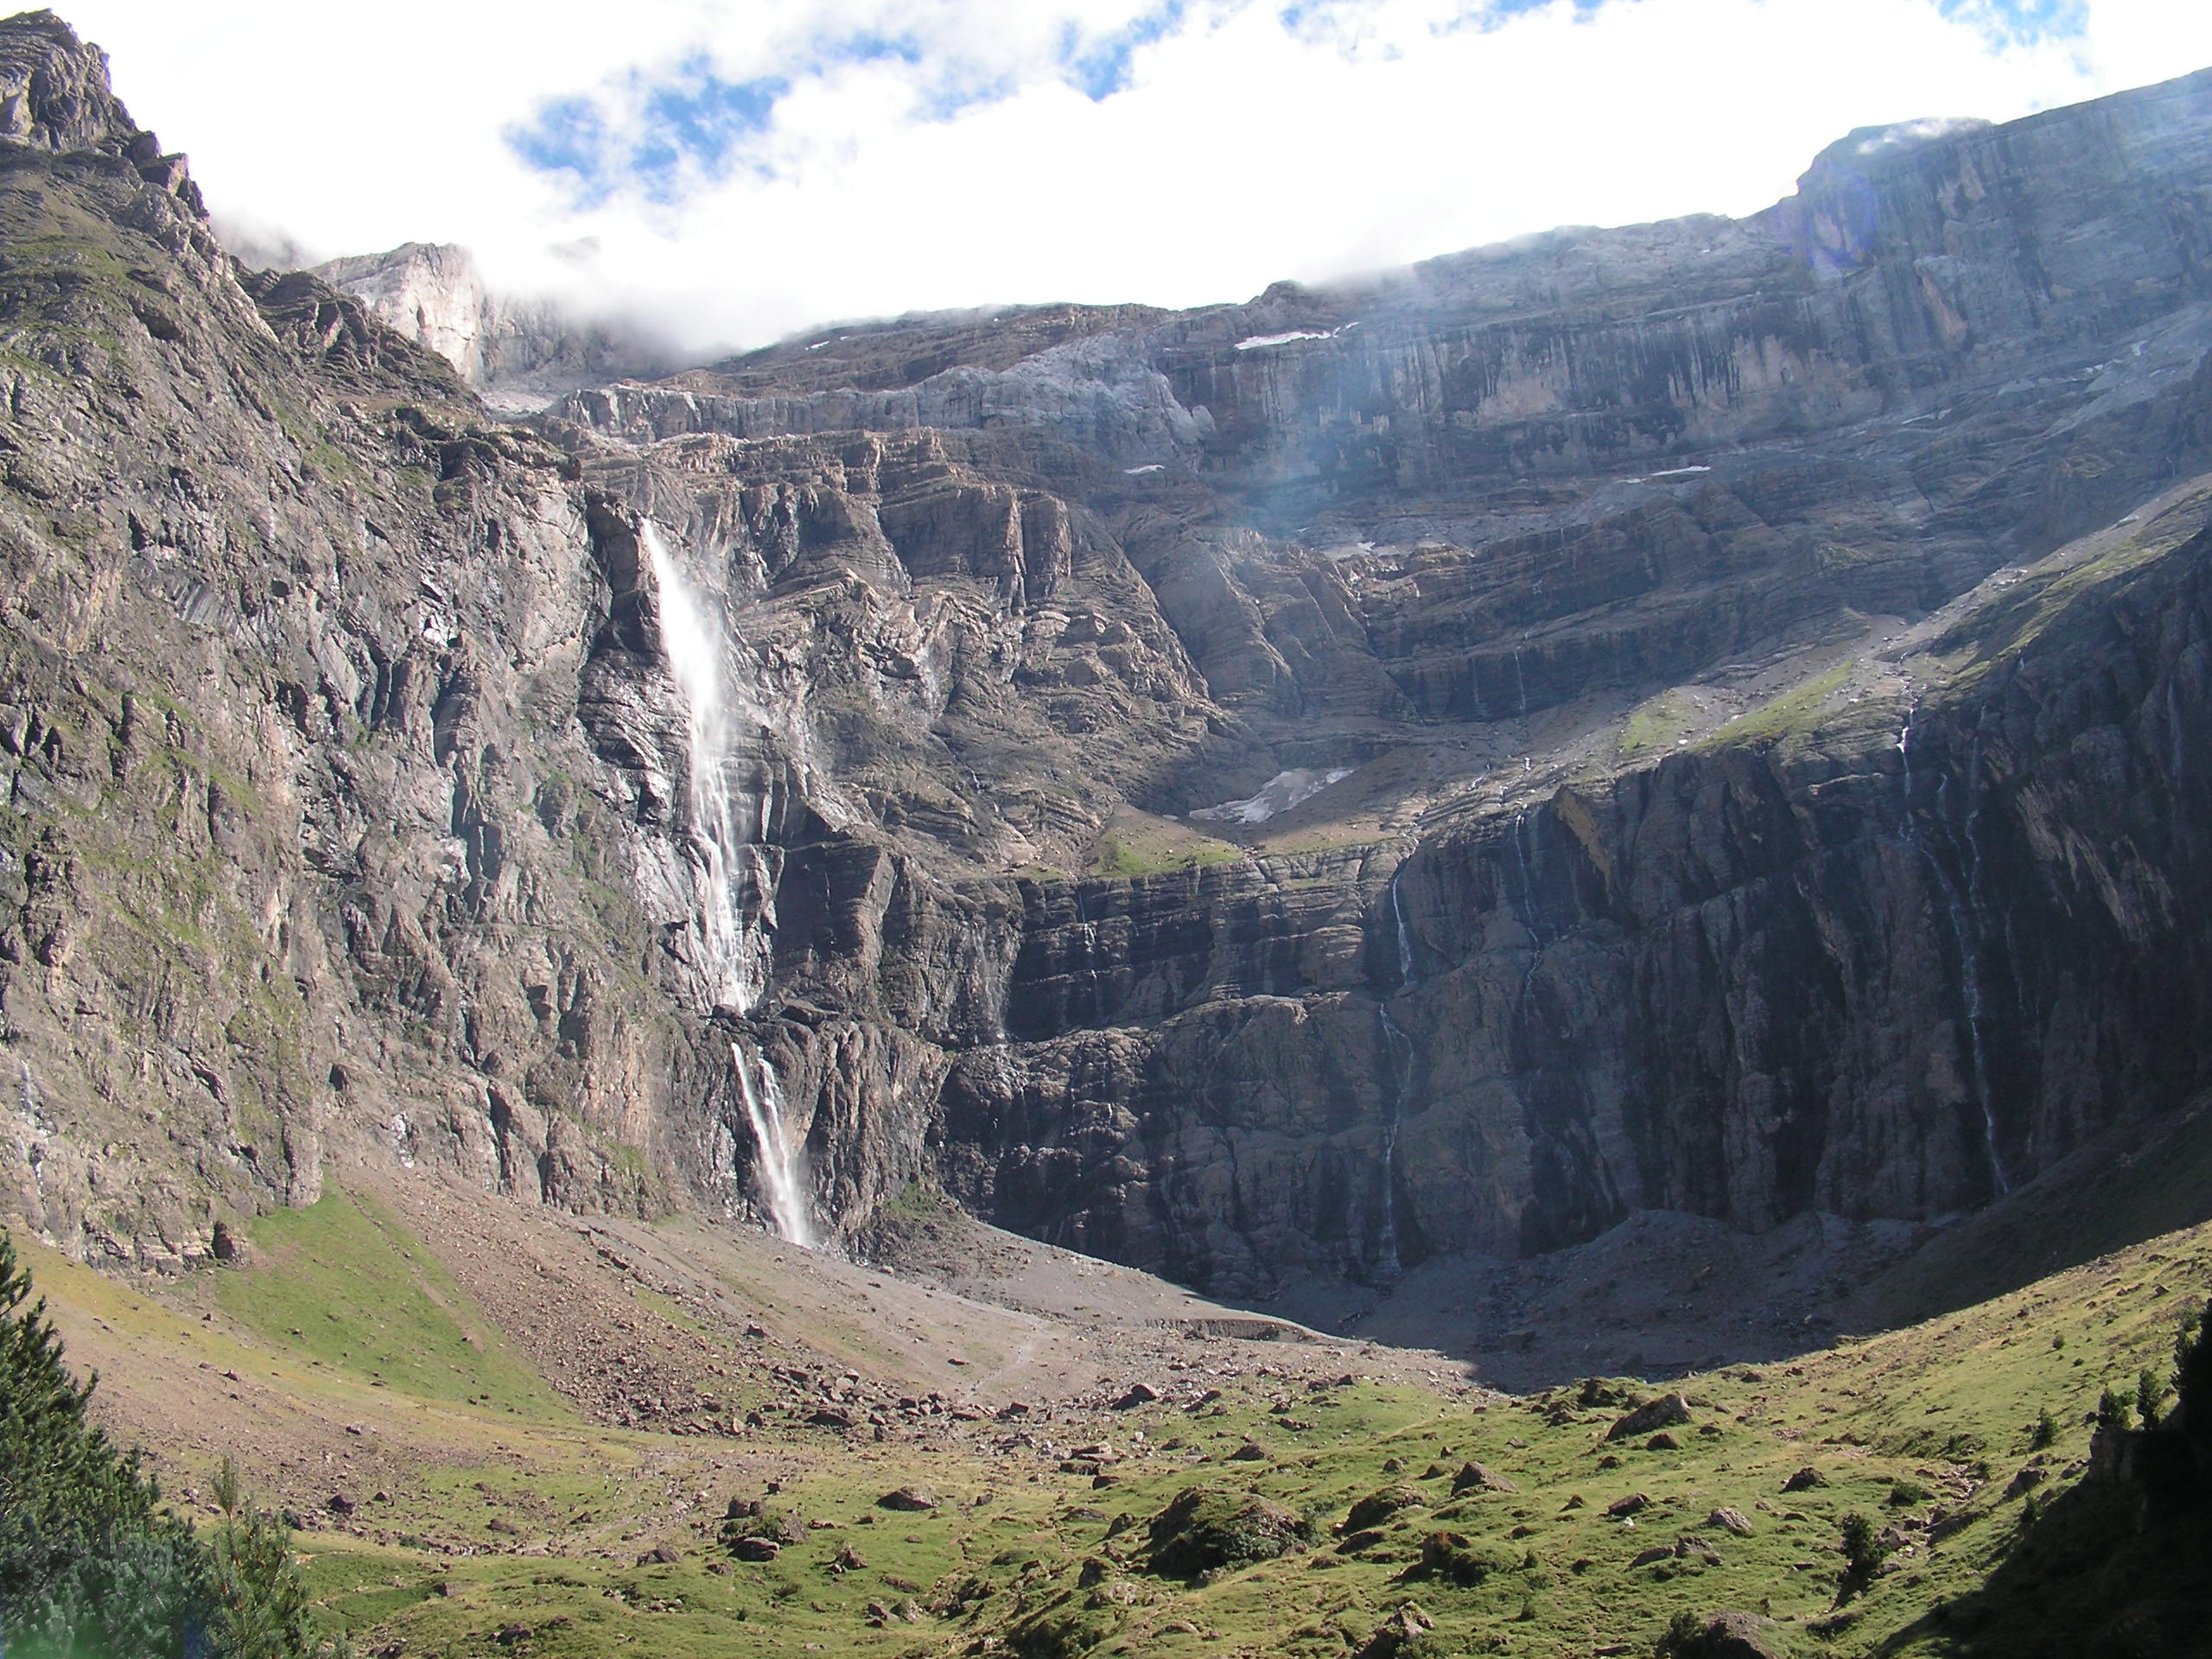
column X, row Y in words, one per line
column 739, row 168
column 664, row 131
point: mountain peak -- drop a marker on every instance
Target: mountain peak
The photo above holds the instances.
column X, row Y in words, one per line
column 54, row 95
column 54, row 89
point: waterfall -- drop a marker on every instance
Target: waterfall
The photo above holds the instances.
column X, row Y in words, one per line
column 1531, row 910
column 1399, row 1052
column 1405, row 935
column 780, row 1166
column 736, row 944
column 734, row 881
column 1965, row 932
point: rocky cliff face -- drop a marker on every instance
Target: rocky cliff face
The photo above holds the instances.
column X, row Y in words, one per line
column 516, row 354
column 1288, row 791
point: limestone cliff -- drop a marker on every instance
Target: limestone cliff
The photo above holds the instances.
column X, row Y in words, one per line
column 1628, row 720
column 517, row 354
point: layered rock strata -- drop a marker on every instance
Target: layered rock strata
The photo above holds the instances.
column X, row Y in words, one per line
column 1288, row 791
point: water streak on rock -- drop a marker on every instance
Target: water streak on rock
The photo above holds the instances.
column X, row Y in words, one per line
column 733, row 883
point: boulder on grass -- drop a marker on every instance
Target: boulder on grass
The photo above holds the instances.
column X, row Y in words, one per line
column 1473, row 1477
column 1208, row 1529
column 1722, row 1635
column 1379, row 1505
column 1396, row 1633
column 1667, row 1411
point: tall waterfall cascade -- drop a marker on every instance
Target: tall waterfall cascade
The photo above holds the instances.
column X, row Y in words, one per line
column 736, row 883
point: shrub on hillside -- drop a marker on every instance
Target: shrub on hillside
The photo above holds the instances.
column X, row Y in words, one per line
column 1864, row 1552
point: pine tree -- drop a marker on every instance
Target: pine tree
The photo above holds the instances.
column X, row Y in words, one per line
column 92, row 1566
column 2193, row 1386
column 2115, row 1410
column 1864, row 1552
column 2150, row 1396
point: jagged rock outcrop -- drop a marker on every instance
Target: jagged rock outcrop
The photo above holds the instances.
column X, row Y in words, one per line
column 1616, row 722
column 517, row 354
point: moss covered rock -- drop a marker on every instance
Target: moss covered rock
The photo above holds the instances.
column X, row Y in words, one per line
column 1206, row 1529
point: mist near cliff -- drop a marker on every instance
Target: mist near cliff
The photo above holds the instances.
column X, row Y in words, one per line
column 733, row 174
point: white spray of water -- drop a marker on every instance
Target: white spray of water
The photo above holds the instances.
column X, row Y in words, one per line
column 1405, row 934
column 691, row 635
column 780, row 1165
column 734, row 882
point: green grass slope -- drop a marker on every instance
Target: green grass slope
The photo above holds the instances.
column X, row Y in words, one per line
column 344, row 1285
column 510, row 1527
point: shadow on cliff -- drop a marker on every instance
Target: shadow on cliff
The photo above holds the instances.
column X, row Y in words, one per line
column 2136, row 1181
column 2094, row 1574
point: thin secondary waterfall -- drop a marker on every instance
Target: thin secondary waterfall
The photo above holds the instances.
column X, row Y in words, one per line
column 1405, row 935
column 1399, row 1054
column 1966, row 937
column 733, row 882
column 781, row 1167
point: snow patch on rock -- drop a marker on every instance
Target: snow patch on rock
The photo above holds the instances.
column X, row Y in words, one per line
column 1282, row 792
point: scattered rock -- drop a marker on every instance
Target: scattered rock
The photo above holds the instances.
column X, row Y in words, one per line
column 1139, row 1394
column 1730, row 1521
column 1453, row 1557
column 907, row 1500
column 1474, row 1478
column 1804, row 1480
column 1634, row 1503
column 659, row 1555
column 1379, row 1505
column 1396, row 1633
column 1727, row 1635
column 1666, row 1412
column 755, row 1549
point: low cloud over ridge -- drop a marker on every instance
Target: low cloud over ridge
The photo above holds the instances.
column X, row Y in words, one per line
column 742, row 170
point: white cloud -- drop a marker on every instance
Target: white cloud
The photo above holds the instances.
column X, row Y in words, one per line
column 1239, row 151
